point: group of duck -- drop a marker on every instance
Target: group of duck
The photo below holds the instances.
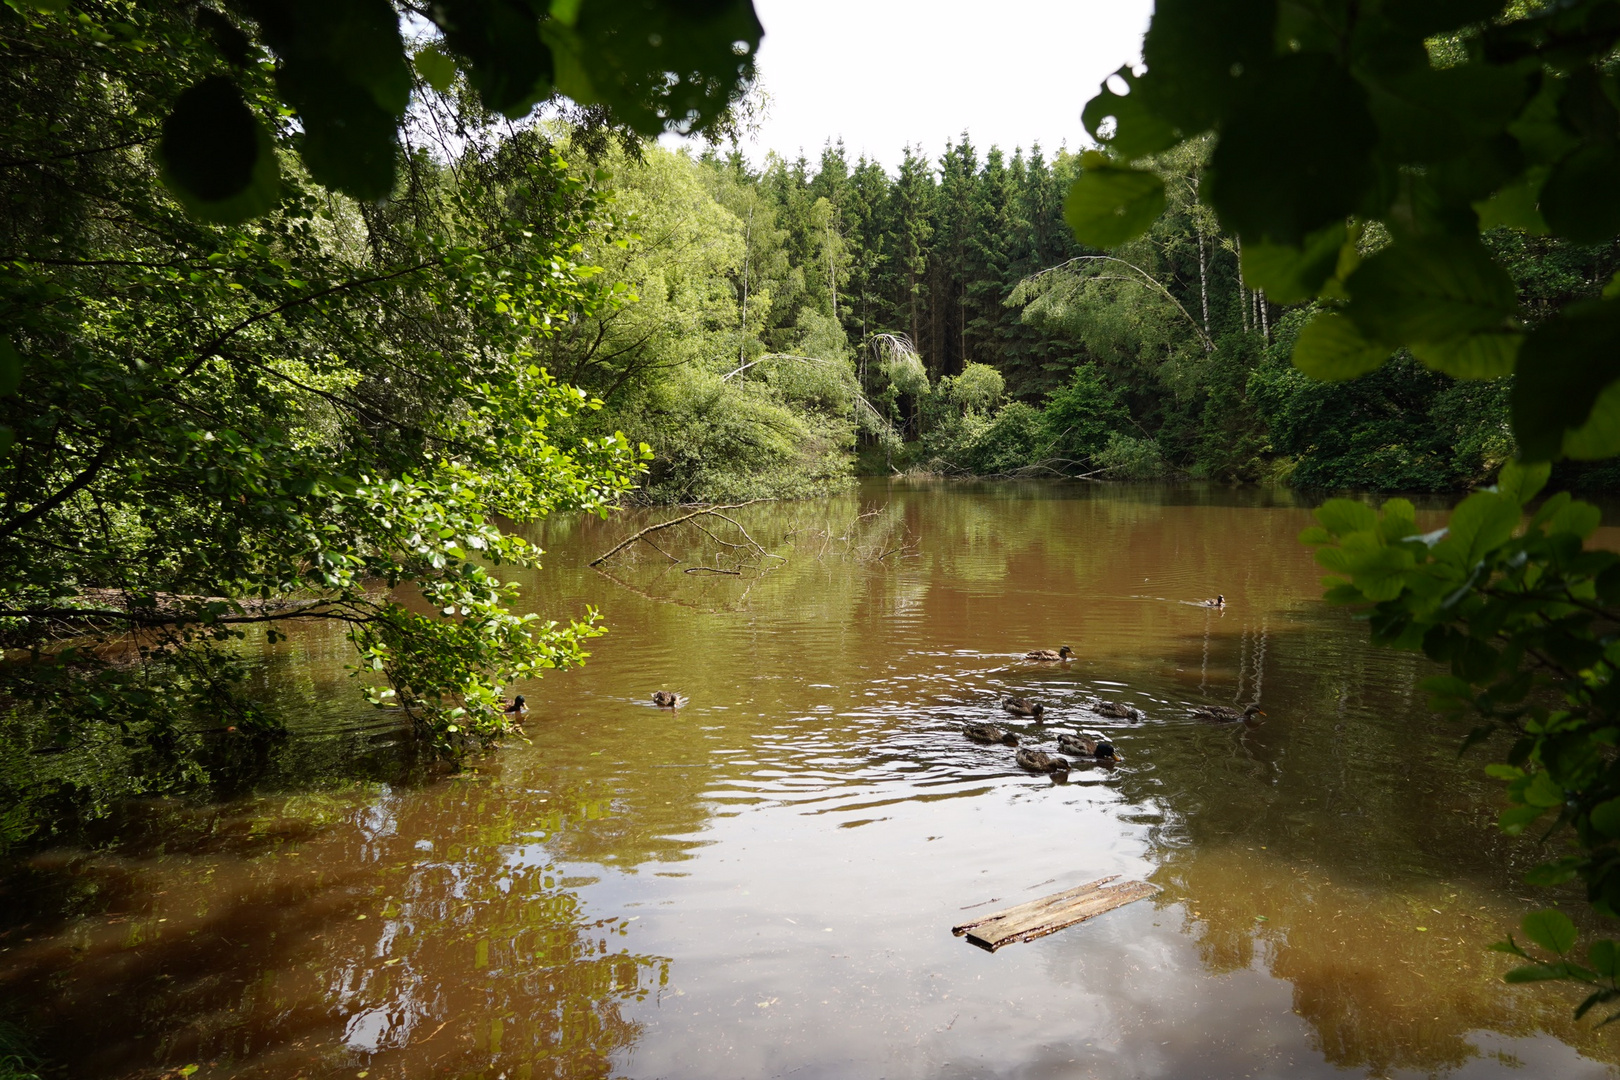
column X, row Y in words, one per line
column 1091, row 746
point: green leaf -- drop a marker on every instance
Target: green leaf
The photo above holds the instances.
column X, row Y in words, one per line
column 1544, row 791
column 1197, row 51
column 1481, row 522
column 1535, row 973
column 1291, row 274
column 1571, row 360
column 1605, row 817
column 215, row 156
column 436, row 69
column 1478, row 356
column 1521, row 483
column 1581, row 198
column 1295, row 153
column 1551, row 929
column 1430, row 290
column 1548, row 875
column 1332, row 349
column 1576, row 518
column 1515, row 819
column 1604, row 956
column 1517, row 205
column 1137, row 130
column 1108, row 205
column 1341, row 517
column 1427, row 114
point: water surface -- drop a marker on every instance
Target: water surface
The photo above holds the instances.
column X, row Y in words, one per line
column 763, row 882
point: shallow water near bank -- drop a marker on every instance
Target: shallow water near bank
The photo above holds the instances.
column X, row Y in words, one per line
column 762, row 883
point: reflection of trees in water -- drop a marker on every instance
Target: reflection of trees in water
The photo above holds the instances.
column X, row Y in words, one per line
column 1316, row 844
column 327, row 938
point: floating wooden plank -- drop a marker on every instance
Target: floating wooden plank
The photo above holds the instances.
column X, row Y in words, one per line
column 1049, row 914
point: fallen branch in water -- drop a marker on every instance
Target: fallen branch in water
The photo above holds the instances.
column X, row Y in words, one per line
column 710, row 570
column 709, row 511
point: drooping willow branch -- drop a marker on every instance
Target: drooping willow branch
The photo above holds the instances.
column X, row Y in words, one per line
column 1137, row 276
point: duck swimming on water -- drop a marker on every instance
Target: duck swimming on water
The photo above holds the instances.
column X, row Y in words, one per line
column 1088, row 745
column 1218, row 602
column 1024, row 707
column 515, row 708
column 1225, row 714
column 665, row 699
column 1065, row 653
column 989, row 733
column 1115, row 710
column 1040, row 761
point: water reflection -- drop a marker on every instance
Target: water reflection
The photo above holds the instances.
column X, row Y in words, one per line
column 763, row 882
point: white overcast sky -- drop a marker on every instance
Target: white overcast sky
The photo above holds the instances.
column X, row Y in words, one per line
column 882, row 73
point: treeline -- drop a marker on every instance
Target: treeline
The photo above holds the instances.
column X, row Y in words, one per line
column 943, row 318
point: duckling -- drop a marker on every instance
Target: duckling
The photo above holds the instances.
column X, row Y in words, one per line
column 515, row 708
column 1024, row 707
column 1116, row 710
column 989, row 733
column 665, row 699
column 1088, row 745
column 1040, row 761
column 1065, row 653
column 1225, row 714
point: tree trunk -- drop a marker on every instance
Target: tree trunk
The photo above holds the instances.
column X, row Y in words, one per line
column 1265, row 315
column 1243, row 293
column 742, row 327
column 1203, row 288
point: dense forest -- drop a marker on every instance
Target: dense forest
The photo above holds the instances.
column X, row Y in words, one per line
column 945, row 319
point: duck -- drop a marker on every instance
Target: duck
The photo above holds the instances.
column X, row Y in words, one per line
column 1225, row 714
column 989, row 733
column 665, row 699
column 1040, row 761
column 1088, row 745
column 515, row 708
column 1116, row 710
column 1064, row 653
column 1024, row 707
column 1219, row 601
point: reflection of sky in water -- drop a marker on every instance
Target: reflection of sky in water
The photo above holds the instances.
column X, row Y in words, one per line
column 763, row 883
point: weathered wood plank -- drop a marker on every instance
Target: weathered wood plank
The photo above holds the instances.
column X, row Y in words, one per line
column 1035, row 905
column 1036, row 919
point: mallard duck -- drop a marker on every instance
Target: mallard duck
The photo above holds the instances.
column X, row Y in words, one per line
column 1116, row 710
column 1064, row 653
column 1225, row 714
column 1218, row 602
column 665, row 699
column 1088, row 745
column 1023, row 707
column 1040, row 761
column 989, row 733
column 515, row 708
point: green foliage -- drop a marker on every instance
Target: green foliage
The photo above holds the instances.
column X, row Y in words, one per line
column 321, row 414
column 1431, row 125
column 339, row 77
column 1080, row 416
column 1522, row 615
column 1130, row 458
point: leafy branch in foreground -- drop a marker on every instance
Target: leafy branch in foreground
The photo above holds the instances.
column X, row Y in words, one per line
column 1527, row 619
column 1360, row 152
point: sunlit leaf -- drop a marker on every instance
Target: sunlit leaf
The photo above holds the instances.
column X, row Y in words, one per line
column 436, row 69
column 1478, row 356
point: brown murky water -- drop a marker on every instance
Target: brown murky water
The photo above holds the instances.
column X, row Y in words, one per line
column 762, row 883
